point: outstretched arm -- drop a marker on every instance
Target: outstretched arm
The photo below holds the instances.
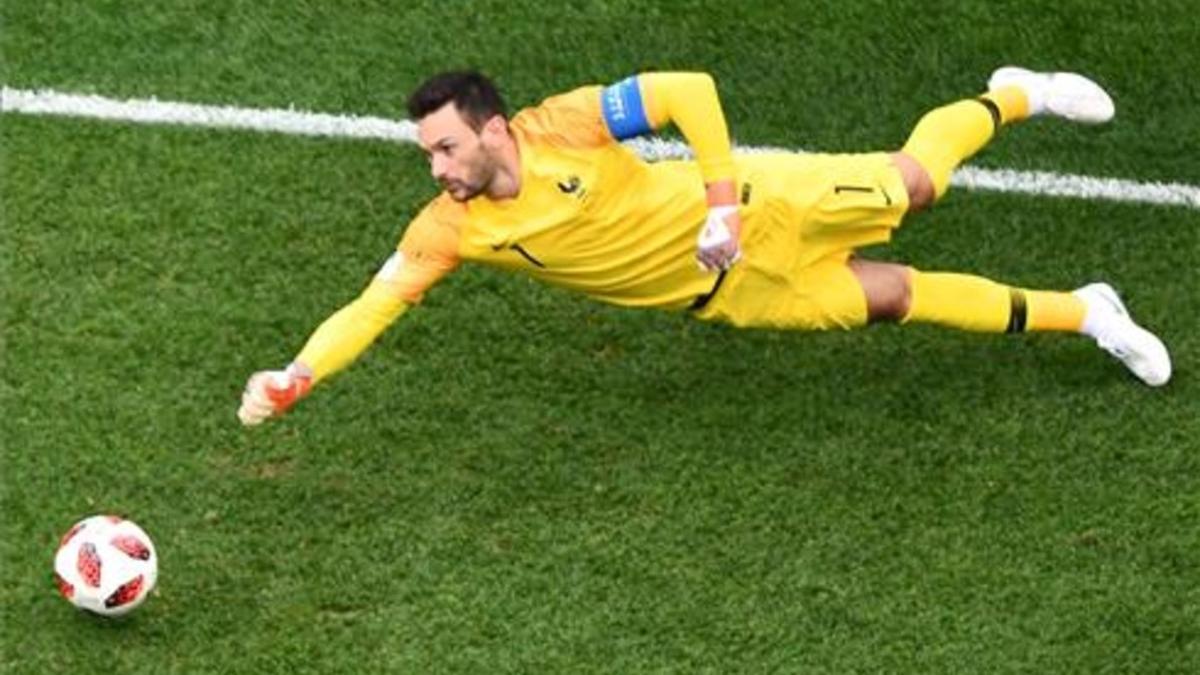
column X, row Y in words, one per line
column 337, row 342
column 427, row 253
column 648, row 102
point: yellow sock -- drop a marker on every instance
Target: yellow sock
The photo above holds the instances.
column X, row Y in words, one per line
column 1011, row 103
column 947, row 136
column 1053, row 311
column 959, row 301
column 974, row 303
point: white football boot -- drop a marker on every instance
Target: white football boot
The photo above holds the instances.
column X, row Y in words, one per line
column 1109, row 323
column 1067, row 95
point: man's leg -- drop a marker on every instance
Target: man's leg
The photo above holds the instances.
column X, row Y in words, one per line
column 900, row 293
column 949, row 135
column 967, row 302
column 942, row 140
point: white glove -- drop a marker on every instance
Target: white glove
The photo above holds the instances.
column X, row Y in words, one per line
column 717, row 246
column 270, row 393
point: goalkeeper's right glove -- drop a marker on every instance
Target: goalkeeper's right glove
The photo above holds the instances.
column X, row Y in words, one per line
column 270, row 393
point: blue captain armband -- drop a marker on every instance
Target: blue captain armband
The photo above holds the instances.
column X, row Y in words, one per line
column 623, row 110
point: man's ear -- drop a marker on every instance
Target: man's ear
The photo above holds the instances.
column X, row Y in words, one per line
column 496, row 126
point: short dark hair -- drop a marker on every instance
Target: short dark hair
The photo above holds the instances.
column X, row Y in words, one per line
column 473, row 95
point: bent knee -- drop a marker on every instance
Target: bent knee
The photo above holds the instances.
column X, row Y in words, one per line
column 887, row 288
column 918, row 183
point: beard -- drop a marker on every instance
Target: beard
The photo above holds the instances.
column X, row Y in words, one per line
column 461, row 191
column 476, row 181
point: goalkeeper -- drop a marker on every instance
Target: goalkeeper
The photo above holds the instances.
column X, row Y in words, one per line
column 765, row 240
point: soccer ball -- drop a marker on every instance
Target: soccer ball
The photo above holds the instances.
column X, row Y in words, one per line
column 105, row 564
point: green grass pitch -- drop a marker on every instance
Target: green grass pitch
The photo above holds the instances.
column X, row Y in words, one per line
column 518, row 480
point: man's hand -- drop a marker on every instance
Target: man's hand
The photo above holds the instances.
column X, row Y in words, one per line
column 717, row 246
column 270, row 393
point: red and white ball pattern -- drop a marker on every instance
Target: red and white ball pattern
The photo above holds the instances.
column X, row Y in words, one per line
column 105, row 564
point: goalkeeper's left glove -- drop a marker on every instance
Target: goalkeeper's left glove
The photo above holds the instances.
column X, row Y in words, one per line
column 270, row 393
column 717, row 246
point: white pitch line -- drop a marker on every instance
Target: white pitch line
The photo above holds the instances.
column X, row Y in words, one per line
column 153, row 111
column 298, row 122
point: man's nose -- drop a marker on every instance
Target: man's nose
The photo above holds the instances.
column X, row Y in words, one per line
column 437, row 166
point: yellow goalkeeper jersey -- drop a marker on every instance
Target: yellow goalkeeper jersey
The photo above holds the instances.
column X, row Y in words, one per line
column 590, row 216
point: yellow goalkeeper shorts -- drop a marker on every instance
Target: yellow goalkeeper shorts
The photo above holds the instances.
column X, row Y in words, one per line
column 803, row 217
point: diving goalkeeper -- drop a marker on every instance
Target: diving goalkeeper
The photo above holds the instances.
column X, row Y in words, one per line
column 763, row 240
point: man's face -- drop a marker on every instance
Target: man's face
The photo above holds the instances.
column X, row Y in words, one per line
column 461, row 159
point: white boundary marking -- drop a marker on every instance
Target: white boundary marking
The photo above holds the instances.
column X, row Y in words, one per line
column 298, row 122
column 153, row 111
